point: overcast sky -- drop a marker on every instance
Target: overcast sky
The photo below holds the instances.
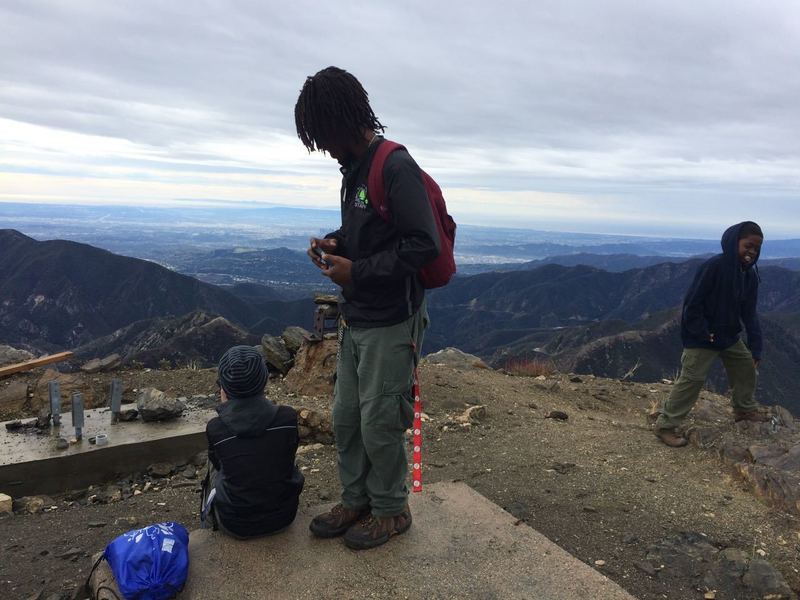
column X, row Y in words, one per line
column 649, row 117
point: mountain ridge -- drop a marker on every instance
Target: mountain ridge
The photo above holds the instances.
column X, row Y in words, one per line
column 46, row 284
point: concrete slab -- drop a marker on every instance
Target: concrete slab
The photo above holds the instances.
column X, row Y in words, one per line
column 30, row 463
column 460, row 546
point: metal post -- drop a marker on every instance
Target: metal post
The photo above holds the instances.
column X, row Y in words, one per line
column 77, row 415
column 55, row 401
column 116, row 400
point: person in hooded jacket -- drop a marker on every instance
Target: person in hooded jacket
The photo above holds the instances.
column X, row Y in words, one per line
column 723, row 295
column 254, row 485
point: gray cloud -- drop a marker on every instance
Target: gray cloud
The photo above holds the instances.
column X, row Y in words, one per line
column 642, row 102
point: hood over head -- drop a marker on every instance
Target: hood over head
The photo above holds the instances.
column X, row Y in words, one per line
column 730, row 243
column 248, row 417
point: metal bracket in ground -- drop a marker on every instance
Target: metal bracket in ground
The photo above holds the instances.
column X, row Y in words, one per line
column 54, row 390
column 116, row 400
column 77, row 415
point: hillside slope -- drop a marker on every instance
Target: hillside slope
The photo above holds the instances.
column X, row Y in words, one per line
column 60, row 293
column 594, row 321
column 597, row 484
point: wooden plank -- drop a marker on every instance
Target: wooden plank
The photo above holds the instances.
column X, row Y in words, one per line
column 33, row 363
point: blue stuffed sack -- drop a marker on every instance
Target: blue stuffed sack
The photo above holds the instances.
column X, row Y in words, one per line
column 150, row 563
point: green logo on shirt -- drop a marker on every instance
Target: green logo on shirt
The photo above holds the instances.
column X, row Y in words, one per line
column 361, row 200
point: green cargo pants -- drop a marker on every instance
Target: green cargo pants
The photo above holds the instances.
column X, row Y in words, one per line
column 373, row 406
column 695, row 365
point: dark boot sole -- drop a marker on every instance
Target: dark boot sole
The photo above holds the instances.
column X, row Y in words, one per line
column 374, row 543
column 321, row 530
column 680, row 444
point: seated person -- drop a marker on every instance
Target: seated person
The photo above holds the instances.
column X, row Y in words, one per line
column 253, row 486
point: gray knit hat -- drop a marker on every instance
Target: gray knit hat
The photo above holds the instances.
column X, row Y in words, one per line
column 242, row 372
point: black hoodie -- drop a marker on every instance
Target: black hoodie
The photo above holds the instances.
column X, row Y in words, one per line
column 252, row 444
column 723, row 294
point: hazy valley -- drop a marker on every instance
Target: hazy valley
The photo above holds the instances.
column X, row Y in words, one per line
column 149, row 284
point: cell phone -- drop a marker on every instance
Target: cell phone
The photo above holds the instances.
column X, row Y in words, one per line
column 316, row 250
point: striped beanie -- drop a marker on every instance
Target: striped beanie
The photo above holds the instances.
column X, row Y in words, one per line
column 242, row 372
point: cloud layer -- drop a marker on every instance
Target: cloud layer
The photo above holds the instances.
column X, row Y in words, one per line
column 608, row 116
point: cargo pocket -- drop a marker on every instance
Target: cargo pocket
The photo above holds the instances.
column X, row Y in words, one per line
column 691, row 365
column 398, row 404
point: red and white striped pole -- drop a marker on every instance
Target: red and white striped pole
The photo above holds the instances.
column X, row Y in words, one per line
column 416, row 472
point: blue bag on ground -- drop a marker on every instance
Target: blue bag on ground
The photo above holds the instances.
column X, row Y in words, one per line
column 150, row 563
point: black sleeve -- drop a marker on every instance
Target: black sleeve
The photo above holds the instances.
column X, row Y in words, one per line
column 751, row 323
column 411, row 214
column 693, row 307
column 212, row 456
column 339, row 237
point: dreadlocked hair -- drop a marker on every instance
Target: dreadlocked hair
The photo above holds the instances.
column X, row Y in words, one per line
column 333, row 107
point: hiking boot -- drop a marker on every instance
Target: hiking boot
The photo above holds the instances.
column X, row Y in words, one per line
column 671, row 438
column 751, row 415
column 373, row 531
column 337, row 520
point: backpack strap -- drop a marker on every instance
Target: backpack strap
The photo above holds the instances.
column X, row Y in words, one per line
column 376, row 190
column 87, row 586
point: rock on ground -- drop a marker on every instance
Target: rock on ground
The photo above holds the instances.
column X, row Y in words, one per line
column 453, row 357
column 314, row 366
column 102, row 364
column 766, row 456
column 294, row 337
column 11, row 356
column 729, row 572
column 32, row 504
column 68, row 383
column 13, row 396
column 153, row 405
column 314, row 426
column 276, row 354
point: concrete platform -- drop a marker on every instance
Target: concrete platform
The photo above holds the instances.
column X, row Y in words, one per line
column 460, row 546
column 30, row 463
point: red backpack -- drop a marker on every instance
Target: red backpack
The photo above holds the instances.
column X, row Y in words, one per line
column 438, row 272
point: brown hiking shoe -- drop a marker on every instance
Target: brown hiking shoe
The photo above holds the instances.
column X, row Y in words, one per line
column 751, row 415
column 671, row 438
column 373, row 531
column 337, row 520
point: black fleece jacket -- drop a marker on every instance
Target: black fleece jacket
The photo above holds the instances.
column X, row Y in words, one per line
column 252, row 444
column 386, row 255
column 723, row 294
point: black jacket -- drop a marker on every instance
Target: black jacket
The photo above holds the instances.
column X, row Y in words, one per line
column 252, row 444
column 722, row 296
column 386, row 255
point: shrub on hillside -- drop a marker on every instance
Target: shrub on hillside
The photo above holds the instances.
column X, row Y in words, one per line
column 527, row 367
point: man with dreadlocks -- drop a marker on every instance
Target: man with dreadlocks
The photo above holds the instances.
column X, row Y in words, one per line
column 376, row 264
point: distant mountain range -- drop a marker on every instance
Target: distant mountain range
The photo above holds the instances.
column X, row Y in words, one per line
column 608, row 262
column 627, row 245
column 61, row 294
column 616, row 323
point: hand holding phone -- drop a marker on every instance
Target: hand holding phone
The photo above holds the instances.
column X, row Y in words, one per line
column 320, row 254
column 318, row 248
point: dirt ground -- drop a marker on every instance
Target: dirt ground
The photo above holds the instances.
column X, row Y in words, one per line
column 597, row 484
